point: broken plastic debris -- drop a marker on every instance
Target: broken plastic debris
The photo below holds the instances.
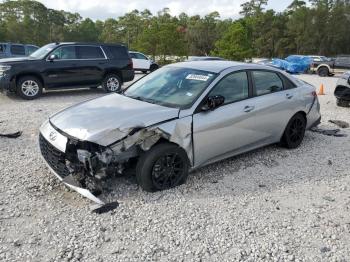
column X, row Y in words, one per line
column 341, row 124
column 12, row 135
column 328, row 132
column 100, row 209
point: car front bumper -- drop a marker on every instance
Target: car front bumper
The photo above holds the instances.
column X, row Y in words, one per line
column 52, row 146
column 5, row 83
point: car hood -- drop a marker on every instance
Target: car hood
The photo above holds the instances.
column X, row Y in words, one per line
column 14, row 60
column 110, row 118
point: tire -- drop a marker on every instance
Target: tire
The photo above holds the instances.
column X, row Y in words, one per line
column 112, row 83
column 154, row 166
column 29, row 87
column 154, row 68
column 294, row 133
column 323, row 71
column 343, row 103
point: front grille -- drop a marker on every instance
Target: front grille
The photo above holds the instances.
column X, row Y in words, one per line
column 54, row 157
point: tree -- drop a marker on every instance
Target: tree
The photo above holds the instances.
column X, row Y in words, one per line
column 235, row 43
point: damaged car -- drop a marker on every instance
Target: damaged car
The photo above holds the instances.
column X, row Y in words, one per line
column 174, row 120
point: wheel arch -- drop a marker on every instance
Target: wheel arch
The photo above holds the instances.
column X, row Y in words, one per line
column 114, row 71
column 24, row 74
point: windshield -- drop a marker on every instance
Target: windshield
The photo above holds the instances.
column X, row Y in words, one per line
column 42, row 52
column 171, row 86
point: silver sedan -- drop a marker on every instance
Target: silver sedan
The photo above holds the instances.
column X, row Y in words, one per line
column 177, row 119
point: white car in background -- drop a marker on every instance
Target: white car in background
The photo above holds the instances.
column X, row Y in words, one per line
column 142, row 63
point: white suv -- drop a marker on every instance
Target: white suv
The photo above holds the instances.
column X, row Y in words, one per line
column 142, row 62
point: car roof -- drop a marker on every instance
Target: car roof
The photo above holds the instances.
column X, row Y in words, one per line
column 216, row 66
column 88, row 43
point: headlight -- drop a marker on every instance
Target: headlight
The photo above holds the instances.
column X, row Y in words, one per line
column 4, row 68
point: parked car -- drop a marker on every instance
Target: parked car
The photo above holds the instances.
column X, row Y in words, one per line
column 67, row 65
column 14, row 50
column 142, row 62
column 330, row 67
column 179, row 118
column 342, row 90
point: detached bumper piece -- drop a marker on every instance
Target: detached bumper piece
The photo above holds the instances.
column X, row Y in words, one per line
column 56, row 161
column 342, row 92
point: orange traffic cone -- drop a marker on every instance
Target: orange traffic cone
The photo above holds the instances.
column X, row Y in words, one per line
column 321, row 93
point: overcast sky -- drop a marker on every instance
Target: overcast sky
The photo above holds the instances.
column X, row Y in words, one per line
column 102, row 9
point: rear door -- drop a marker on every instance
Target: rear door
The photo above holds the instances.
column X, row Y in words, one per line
column 91, row 62
column 275, row 101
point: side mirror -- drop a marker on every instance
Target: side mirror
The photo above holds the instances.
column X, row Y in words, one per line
column 213, row 102
column 53, row 57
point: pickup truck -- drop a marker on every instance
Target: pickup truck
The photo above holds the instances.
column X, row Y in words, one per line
column 339, row 65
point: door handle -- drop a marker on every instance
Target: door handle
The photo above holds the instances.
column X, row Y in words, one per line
column 248, row 109
column 289, row 96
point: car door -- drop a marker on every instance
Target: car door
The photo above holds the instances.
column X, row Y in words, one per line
column 275, row 102
column 141, row 62
column 228, row 128
column 342, row 64
column 91, row 63
column 63, row 70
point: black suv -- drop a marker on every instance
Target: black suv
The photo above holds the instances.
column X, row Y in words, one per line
column 67, row 65
column 330, row 67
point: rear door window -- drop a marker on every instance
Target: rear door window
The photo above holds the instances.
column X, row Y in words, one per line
column 90, row 52
column 65, row 53
column 266, row 82
column 18, row 50
column 116, row 52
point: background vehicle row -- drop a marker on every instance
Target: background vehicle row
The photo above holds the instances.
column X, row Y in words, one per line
column 67, row 65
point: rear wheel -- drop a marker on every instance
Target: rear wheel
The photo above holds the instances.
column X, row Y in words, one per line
column 343, row 103
column 323, row 71
column 294, row 133
column 112, row 83
column 29, row 87
column 164, row 166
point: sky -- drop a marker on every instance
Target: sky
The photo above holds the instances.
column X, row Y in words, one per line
column 102, row 9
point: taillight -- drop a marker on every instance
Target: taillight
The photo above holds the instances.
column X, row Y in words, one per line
column 131, row 63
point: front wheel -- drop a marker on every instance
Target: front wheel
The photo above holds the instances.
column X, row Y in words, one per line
column 163, row 167
column 294, row 132
column 112, row 83
column 29, row 87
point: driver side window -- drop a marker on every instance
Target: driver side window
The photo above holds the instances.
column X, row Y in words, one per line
column 233, row 87
column 65, row 53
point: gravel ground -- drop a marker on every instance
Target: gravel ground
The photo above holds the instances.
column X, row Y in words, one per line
column 268, row 205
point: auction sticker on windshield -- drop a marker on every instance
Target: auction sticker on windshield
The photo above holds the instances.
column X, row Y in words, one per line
column 197, row 77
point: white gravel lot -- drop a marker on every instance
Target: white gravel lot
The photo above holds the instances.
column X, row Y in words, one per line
column 268, row 205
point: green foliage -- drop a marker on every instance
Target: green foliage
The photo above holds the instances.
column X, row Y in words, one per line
column 320, row 28
column 235, row 43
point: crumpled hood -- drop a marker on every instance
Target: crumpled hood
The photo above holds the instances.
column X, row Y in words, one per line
column 110, row 118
